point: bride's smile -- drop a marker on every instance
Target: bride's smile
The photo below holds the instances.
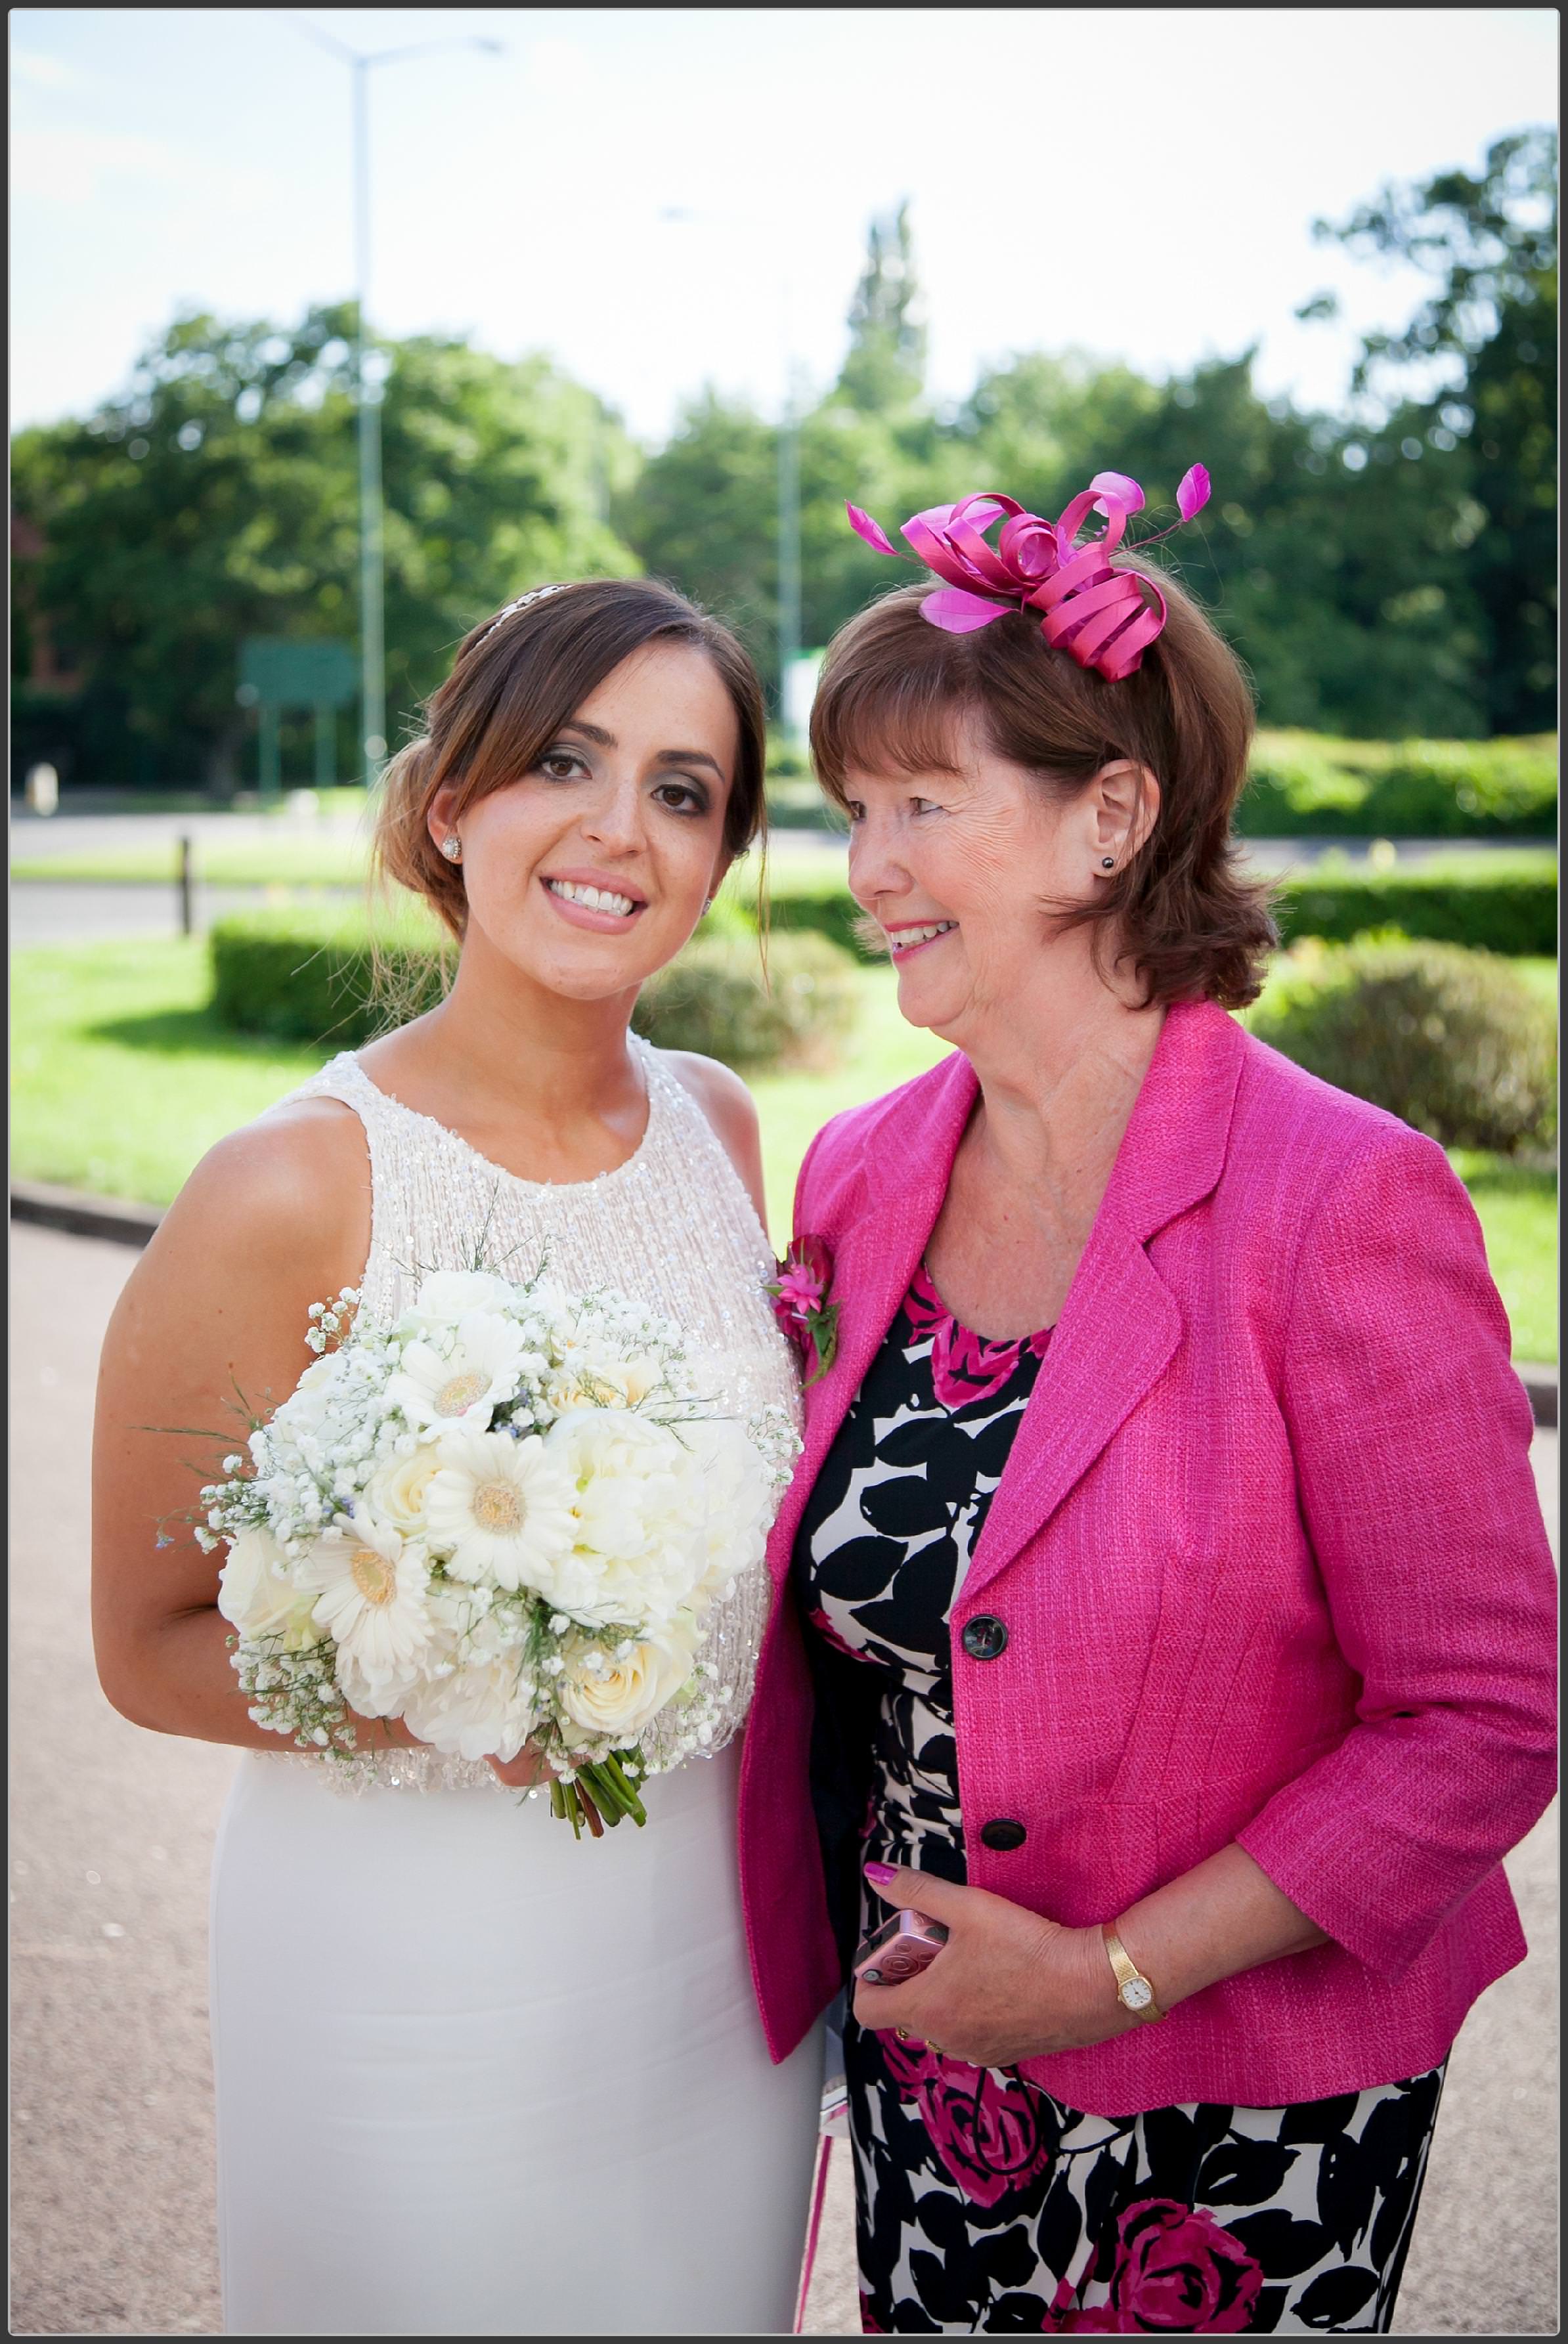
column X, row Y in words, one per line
column 589, row 871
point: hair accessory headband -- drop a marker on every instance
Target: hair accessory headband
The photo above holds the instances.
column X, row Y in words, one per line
column 537, row 594
column 1099, row 615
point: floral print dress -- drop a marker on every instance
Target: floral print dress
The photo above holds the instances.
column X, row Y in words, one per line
column 983, row 2203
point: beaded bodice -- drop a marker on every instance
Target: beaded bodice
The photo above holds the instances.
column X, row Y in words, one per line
column 672, row 1227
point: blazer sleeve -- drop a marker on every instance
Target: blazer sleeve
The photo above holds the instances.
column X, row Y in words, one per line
column 1411, row 1438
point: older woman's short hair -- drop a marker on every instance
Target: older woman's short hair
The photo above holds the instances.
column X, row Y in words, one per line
column 1192, row 923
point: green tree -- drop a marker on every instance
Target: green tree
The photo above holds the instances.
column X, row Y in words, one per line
column 1475, row 369
column 217, row 498
column 884, row 370
column 703, row 514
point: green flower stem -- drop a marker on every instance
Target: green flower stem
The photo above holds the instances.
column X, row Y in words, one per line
column 613, row 1792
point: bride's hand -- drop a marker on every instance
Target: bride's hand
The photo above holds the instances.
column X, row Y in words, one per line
column 524, row 1772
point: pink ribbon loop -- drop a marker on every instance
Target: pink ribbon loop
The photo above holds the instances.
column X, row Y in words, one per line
column 1102, row 617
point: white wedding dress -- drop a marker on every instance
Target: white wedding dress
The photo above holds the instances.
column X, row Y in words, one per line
column 475, row 2077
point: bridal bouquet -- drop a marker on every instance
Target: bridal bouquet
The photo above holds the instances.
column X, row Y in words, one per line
column 505, row 1519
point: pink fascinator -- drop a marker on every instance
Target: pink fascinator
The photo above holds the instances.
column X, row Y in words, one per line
column 1105, row 618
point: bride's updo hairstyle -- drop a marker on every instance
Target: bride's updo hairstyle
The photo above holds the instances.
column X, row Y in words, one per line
column 517, row 679
column 893, row 686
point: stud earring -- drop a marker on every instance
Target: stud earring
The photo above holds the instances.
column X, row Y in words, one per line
column 1108, row 863
column 453, row 848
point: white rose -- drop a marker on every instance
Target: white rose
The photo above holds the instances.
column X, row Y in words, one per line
column 448, row 1294
column 255, row 1595
column 397, row 1493
column 615, row 1700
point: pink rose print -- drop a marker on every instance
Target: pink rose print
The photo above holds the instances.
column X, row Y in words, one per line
column 1177, row 2273
column 825, row 1629
column 984, row 2123
column 964, row 1366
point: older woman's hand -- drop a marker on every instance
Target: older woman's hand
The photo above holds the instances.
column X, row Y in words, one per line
column 1007, row 1986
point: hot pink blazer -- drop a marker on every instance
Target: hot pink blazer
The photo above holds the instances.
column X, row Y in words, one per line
column 1270, row 1559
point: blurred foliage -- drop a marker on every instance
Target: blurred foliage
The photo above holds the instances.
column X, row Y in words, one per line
column 332, row 976
column 713, row 997
column 1310, row 785
column 218, row 498
column 1452, row 1042
column 325, row 974
column 1384, row 573
column 1502, row 902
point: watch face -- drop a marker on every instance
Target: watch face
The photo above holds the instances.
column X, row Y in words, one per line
column 1137, row 1993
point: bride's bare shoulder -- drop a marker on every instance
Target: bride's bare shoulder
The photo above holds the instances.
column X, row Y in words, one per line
column 291, row 1190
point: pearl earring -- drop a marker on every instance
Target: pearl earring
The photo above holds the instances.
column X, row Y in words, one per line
column 1108, row 863
column 453, row 848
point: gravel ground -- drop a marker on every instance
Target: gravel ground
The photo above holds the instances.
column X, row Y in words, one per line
column 111, row 2197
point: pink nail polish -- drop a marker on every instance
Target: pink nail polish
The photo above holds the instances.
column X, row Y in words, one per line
column 879, row 1874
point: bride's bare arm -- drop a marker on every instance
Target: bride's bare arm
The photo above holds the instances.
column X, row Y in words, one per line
column 211, row 1323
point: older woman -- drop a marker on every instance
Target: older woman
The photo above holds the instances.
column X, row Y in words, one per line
column 1171, row 1616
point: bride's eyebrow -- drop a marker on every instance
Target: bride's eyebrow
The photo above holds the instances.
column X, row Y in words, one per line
column 690, row 757
column 602, row 740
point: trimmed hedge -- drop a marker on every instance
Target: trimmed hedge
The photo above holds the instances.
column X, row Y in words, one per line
column 306, row 973
column 713, row 999
column 1500, row 903
column 1312, row 786
column 1309, row 785
column 1450, row 1041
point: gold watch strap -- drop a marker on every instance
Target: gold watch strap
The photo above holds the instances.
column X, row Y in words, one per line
column 1134, row 1991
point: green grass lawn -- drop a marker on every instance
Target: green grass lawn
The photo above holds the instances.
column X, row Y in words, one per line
column 121, row 1078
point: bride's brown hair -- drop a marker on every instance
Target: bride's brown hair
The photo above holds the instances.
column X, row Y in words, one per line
column 515, row 681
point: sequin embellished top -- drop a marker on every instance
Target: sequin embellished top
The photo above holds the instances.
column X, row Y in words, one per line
column 672, row 1227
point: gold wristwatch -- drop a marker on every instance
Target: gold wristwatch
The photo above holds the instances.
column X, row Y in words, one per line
column 1133, row 1990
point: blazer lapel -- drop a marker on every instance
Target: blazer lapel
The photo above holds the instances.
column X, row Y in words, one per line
column 907, row 1161
column 1120, row 1325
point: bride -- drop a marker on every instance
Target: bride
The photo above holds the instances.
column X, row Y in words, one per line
column 475, row 2077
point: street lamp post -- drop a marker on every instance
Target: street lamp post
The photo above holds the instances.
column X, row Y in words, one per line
column 367, row 392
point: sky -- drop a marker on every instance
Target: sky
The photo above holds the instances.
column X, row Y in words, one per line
column 1135, row 183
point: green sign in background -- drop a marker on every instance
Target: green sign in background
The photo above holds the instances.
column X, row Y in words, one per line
column 279, row 672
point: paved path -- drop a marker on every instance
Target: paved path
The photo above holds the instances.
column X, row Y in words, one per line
column 112, row 2204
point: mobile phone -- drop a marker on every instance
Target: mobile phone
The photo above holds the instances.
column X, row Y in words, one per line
column 901, row 1948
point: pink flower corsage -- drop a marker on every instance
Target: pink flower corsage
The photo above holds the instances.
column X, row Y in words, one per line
column 800, row 1306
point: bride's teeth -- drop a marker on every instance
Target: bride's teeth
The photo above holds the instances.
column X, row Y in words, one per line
column 594, row 899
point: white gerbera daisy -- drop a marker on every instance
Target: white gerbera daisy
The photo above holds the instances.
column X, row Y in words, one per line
column 462, row 1380
column 500, row 1509
column 370, row 1600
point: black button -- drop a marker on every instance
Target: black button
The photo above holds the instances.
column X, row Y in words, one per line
column 985, row 1637
column 1003, row 1832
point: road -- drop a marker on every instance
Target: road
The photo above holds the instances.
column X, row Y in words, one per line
column 62, row 911
column 112, row 2129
